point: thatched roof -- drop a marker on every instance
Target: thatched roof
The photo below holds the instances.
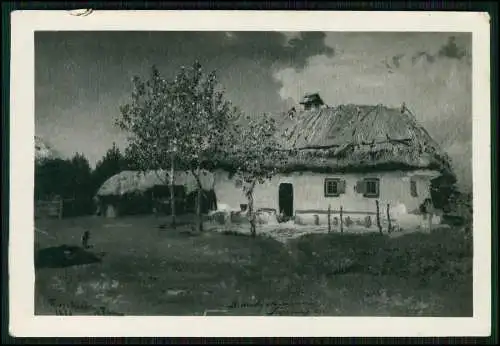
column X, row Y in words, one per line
column 138, row 182
column 358, row 137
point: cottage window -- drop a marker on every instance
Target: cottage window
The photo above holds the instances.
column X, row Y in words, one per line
column 334, row 187
column 413, row 188
column 369, row 187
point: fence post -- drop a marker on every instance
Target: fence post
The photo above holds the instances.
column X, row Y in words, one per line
column 341, row 221
column 378, row 217
column 329, row 222
column 60, row 208
column 389, row 218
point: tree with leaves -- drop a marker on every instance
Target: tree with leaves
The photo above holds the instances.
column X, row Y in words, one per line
column 208, row 118
column 150, row 119
column 69, row 179
column 448, row 197
column 256, row 155
column 82, row 185
column 179, row 123
column 113, row 162
column 53, row 177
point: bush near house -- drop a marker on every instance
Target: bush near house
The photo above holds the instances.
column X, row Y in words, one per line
column 455, row 203
column 443, row 256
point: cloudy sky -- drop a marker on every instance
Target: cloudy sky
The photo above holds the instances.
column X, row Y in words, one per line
column 81, row 78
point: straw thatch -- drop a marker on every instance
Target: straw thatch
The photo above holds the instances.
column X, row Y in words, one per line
column 357, row 137
column 130, row 182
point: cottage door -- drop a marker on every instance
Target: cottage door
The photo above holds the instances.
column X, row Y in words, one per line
column 110, row 211
column 286, row 199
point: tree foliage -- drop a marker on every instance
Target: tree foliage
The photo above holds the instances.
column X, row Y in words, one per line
column 69, row 179
column 256, row 154
column 185, row 116
column 113, row 162
column 447, row 196
column 149, row 120
column 180, row 122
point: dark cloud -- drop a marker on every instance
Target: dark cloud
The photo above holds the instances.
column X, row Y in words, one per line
column 451, row 50
column 393, row 62
column 306, row 45
column 273, row 47
column 396, row 59
column 82, row 77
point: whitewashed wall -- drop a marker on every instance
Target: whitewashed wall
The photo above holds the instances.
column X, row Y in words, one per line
column 308, row 189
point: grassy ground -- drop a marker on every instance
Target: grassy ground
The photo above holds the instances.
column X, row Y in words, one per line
column 144, row 270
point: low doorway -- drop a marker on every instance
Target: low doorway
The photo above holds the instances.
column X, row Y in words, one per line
column 286, row 199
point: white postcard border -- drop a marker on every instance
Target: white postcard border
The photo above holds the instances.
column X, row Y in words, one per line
column 23, row 322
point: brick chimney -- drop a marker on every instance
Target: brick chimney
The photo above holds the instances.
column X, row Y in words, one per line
column 312, row 101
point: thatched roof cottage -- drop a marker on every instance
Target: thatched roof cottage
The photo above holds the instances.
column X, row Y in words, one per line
column 347, row 157
column 133, row 192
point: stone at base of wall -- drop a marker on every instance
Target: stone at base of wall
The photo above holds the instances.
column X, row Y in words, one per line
column 368, row 221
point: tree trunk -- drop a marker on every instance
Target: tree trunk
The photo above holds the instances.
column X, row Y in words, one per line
column 329, row 222
column 378, row 217
column 172, row 192
column 389, row 227
column 251, row 215
column 198, row 201
column 341, row 220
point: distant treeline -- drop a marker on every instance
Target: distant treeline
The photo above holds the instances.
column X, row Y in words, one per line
column 75, row 181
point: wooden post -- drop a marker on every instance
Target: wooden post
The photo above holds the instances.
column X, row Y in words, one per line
column 61, row 204
column 429, row 210
column 329, row 222
column 389, row 218
column 199, row 216
column 378, row 217
column 172, row 190
column 341, row 221
column 316, row 220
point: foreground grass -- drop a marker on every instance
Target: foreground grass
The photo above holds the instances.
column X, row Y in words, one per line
column 148, row 271
column 416, row 274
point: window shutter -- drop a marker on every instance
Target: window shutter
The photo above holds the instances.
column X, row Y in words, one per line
column 341, row 186
column 360, row 186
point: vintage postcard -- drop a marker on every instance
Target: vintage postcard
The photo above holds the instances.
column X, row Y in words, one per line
column 211, row 173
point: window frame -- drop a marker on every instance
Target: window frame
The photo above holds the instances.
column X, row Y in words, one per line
column 325, row 187
column 377, row 187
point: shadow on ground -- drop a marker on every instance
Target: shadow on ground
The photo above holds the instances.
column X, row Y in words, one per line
column 165, row 272
column 64, row 256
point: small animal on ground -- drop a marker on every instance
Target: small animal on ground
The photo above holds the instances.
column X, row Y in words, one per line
column 85, row 239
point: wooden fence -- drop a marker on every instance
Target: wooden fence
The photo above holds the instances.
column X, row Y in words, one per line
column 377, row 212
column 50, row 208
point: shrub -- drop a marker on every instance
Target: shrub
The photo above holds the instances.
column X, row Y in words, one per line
column 445, row 254
column 236, row 233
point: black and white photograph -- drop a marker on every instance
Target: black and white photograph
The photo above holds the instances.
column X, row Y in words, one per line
column 251, row 172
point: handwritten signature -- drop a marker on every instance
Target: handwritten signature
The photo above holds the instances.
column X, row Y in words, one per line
column 275, row 307
column 68, row 309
